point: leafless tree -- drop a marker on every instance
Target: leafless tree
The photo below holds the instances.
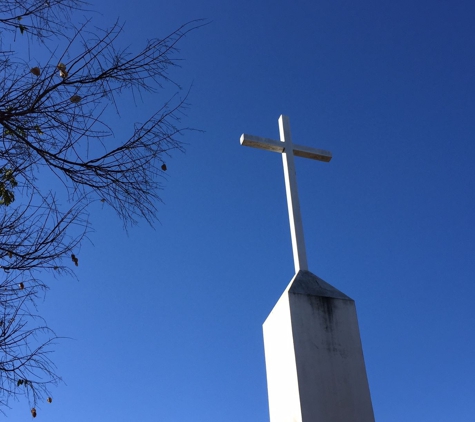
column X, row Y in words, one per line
column 53, row 112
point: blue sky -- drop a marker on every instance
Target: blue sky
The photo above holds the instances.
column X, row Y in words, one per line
column 164, row 324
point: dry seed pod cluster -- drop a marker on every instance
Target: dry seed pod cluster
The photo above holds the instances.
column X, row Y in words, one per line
column 75, row 99
column 62, row 70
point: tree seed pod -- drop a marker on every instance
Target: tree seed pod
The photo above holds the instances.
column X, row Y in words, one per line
column 49, row 399
column 164, row 167
column 22, row 286
column 35, row 70
column 75, row 260
column 75, row 99
column 33, row 412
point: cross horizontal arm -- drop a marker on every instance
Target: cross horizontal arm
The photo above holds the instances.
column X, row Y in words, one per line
column 278, row 146
column 312, row 153
column 262, row 143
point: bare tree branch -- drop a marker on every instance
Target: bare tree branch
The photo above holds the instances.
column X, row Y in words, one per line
column 53, row 126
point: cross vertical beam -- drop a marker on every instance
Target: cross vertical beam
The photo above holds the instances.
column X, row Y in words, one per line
column 288, row 149
column 293, row 203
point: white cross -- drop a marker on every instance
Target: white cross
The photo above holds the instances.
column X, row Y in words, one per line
column 288, row 150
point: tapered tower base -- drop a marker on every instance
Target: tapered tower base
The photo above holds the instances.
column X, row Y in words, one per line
column 314, row 358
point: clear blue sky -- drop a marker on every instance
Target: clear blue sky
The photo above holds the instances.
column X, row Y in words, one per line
column 165, row 324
